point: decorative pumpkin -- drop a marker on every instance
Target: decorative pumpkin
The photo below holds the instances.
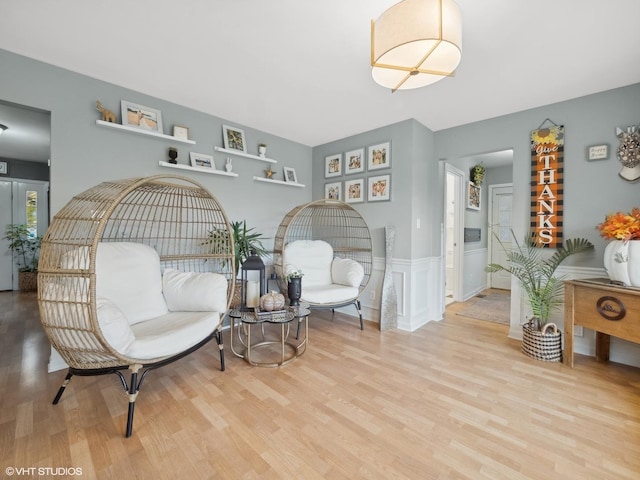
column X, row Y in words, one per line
column 271, row 301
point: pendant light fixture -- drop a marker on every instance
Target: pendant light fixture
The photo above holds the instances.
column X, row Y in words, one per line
column 3, row 128
column 416, row 43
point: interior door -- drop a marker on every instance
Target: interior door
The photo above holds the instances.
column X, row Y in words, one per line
column 500, row 227
column 6, row 259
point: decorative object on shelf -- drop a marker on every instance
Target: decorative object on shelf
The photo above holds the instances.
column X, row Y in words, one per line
column 354, row 161
column 252, row 290
column 416, row 43
column 290, row 175
column 4, row 168
column 389, row 298
column 202, row 160
column 476, row 174
column 537, row 276
column 25, row 247
column 622, row 253
column 333, row 191
column 139, row 116
column 379, row 156
column 629, row 152
column 333, row 165
column 598, row 152
column 234, row 139
column 228, row 166
column 294, row 287
column 262, row 150
column 474, row 196
column 180, row 132
column 272, row 301
column 269, row 172
column 379, row 188
column 354, row 190
column 107, row 115
column 173, row 155
column 547, row 167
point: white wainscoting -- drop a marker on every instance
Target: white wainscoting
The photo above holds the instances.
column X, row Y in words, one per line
column 474, row 277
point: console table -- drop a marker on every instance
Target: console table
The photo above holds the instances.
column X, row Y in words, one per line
column 604, row 307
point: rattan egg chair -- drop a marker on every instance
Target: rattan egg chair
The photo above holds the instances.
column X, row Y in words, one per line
column 336, row 223
column 171, row 215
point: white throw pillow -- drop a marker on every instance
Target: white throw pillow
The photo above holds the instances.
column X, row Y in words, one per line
column 114, row 325
column 313, row 257
column 194, row 292
column 345, row 271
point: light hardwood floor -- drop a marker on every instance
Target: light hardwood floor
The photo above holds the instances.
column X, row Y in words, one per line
column 454, row 400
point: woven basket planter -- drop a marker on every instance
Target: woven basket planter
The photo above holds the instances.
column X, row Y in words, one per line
column 542, row 345
column 28, row 281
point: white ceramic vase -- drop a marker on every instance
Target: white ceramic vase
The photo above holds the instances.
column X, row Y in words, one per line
column 622, row 262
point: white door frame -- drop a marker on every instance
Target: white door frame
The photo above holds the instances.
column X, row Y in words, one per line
column 458, row 232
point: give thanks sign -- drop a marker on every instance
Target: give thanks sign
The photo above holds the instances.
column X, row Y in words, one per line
column 547, row 172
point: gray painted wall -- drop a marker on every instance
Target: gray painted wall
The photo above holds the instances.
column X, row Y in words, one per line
column 83, row 154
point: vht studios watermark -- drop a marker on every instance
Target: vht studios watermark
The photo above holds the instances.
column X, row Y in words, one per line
column 43, row 471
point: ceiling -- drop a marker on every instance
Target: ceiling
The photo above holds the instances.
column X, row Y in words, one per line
column 300, row 70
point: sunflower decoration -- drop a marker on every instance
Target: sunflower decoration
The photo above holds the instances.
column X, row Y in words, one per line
column 548, row 136
column 269, row 173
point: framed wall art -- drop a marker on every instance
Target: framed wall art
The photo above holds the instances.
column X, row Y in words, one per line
column 379, row 156
column 4, row 169
column 202, row 160
column 333, row 165
column 234, row 139
column 379, row 188
column 354, row 191
column 473, row 196
column 139, row 116
column 181, row 132
column 290, row 175
column 598, row 152
column 333, row 191
column 354, row 161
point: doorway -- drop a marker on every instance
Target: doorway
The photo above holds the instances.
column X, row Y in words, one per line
column 453, row 230
column 500, row 238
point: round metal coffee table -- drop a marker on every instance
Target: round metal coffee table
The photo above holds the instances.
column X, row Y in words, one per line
column 242, row 345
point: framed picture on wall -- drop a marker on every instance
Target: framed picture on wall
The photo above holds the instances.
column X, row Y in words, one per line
column 139, row 116
column 333, row 165
column 379, row 156
column 202, row 160
column 234, row 139
column 354, row 161
column 290, row 175
column 473, row 196
column 379, row 188
column 354, row 191
column 333, row 191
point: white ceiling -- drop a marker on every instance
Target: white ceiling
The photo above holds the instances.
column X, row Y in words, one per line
column 300, row 69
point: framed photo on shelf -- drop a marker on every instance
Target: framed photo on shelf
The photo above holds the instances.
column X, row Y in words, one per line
column 289, row 175
column 333, row 191
column 379, row 156
column 333, row 165
column 181, row 132
column 354, row 191
column 234, row 139
column 4, row 169
column 139, row 116
column 473, row 196
column 202, row 160
column 379, row 188
column 354, row 162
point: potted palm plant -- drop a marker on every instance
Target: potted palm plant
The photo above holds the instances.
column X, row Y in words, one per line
column 26, row 253
column 543, row 288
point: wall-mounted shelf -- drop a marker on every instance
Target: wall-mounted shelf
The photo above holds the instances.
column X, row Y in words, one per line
column 242, row 154
column 269, row 180
column 126, row 128
column 197, row 169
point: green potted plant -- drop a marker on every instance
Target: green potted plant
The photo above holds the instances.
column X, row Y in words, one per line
column 544, row 290
column 476, row 174
column 26, row 253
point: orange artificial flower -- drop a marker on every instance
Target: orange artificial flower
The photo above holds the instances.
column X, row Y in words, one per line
column 621, row 226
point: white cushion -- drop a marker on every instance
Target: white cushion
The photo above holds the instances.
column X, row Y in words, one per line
column 328, row 294
column 313, row 257
column 194, row 292
column 128, row 274
column 170, row 334
column 114, row 325
column 346, row 272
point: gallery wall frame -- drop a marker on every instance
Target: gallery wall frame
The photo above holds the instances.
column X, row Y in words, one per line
column 474, row 196
column 379, row 188
column 333, row 165
column 379, row 156
column 354, row 161
column 354, row 190
column 234, row 138
column 333, row 191
column 138, row 116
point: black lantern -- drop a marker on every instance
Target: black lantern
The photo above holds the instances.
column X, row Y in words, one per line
column 250, row 293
